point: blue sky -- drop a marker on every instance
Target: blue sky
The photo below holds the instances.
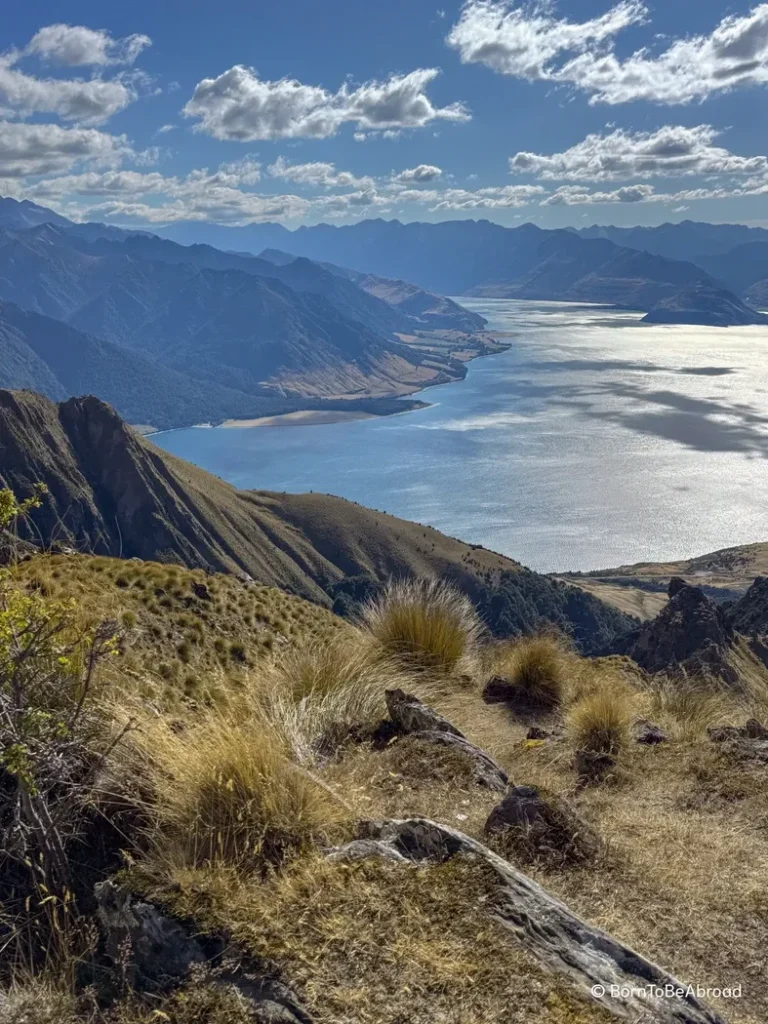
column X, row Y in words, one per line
column 588, row 111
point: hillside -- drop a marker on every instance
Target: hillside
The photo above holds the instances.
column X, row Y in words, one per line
column 705, row 305
column 430, row 311
column 114, row 493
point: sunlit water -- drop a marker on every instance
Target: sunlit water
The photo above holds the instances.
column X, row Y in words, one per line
column 593, row 441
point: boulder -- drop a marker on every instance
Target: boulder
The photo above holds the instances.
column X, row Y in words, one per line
column 648, row 733
column 748, row 742
column 626, row 984
column 534, row 824
column 410, row 717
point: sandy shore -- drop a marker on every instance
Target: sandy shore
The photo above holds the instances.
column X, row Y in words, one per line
column 301, row 418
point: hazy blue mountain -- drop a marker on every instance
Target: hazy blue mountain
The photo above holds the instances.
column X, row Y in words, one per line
column 688, row 240
column 703, row 304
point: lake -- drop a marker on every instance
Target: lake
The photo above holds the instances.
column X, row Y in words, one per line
column 593, row 441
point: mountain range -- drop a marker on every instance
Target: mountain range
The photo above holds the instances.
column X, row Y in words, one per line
column 352, row 316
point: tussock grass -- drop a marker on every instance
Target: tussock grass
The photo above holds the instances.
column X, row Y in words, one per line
column 318, row 694
column 600, row 721
column 227, row 792
column 539, row 668
column 426, row 625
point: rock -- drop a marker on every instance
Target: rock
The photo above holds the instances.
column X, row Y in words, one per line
column 499, row 691
column 412, row 718
column 691, row 633
column 559, row 939
column 534, row 825
column 537, row 733
column 154, row 953
column 648, row 733
column 593, row 765
column 485, row 770
column 748, row 742
column 201, row 591
column 750, row 613
column 410, row 715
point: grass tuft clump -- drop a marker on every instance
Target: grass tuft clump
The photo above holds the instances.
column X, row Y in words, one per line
column 600, row 721
column 227, row 793
column 426, row 625
column 537, row 668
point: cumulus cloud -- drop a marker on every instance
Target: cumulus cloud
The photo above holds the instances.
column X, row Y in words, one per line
column 418, row 175
column 317, row 174
column 89, row 102
column 671, row 150
column 27, row 150
column 240, row 106
column 76, row 45
column 578, row 195
column 525, row 41
column 532, row 44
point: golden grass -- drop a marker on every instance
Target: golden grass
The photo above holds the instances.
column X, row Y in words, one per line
column 319, row 693
column 376, row 943
column 539, row 667
column 601, row 721
column 425, row 625
column 227, row 791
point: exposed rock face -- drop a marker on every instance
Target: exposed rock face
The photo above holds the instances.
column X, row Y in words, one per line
column 750, row 613
column 159, row 952
column 691, row 632
column 649, row 734
column 559, row 939
column 410, row 717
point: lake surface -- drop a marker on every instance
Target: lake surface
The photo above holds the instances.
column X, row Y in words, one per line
column 594, row 441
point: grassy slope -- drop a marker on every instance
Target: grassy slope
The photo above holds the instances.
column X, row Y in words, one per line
column 730, row 569
column 112, row 492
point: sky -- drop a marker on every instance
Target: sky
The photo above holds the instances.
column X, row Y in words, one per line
column 587, row 111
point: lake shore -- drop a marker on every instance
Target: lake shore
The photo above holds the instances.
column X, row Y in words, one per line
column 305, row 418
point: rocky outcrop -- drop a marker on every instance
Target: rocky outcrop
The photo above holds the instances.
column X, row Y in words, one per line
column 410, row 717
column 155, row 952
column 690, row 633
column 748, row 742
column 749, row 615
column 624, row 981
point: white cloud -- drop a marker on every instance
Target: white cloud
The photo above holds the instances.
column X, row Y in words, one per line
column 89, row 102
column 239, row 106
column 165, row 128
column 76, row 45
column 317, row 173
column 493, row 198
column 524, row 41
column 578, row 195
column 27, row 150
column 418, row 175
column 531, row 43
column 671, row 150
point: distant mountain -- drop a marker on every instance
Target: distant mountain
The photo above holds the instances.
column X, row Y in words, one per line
column 49, row 356
column 705, row 305
column 470, row 257
column 431, row 311
column 744, row 269
column 16, row 216
column 112, row 492
column 200, row 313
column 688, row 240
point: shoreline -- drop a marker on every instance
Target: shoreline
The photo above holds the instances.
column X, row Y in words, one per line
column 305, row 418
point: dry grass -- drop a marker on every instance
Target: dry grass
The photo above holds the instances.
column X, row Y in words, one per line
column 226, row 791
column 538, row 667
column 373, row 943
column 425, row 625
column 320, row 693
column 600, row 722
